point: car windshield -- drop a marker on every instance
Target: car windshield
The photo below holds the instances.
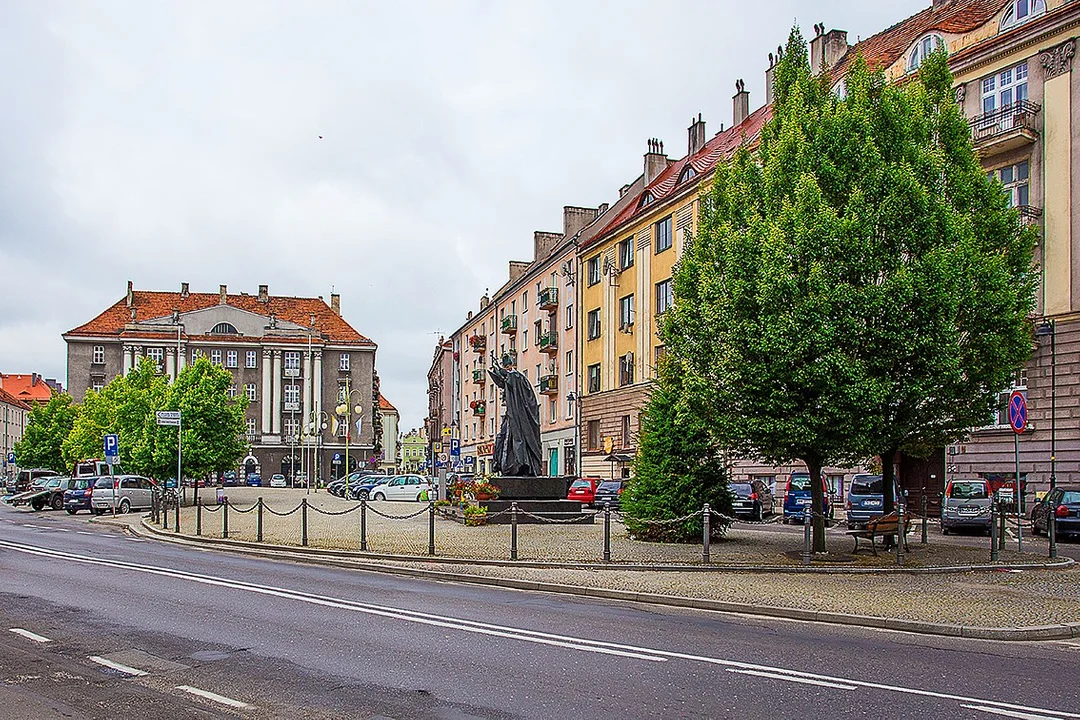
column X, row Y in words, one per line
column 867, row 486
column 800, row 482
column 970, row 490
column 53, row 482
column 105, row 482
column 581, row 484
column 81, row 484
column 609, row 485
column 1071, row 497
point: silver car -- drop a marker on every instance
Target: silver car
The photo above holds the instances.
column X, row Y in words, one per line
column 123, row 493
column 966, row 505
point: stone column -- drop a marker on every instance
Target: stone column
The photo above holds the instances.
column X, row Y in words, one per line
column 265, row 398
column 275, row 378
column 181, row 359
column 1058, row 292
column 316, row 383
column 305, row 407
column 170, row 363
column 643, row 325
column 128, row 356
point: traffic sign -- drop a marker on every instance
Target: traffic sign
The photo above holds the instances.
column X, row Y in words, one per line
column 11, row 458
column 447, row 431
column 337, row 459
column 1018, row 411
column 442, row 457
column 168, row 417
column 455, row 447
column 112, row 446
column 436, row 447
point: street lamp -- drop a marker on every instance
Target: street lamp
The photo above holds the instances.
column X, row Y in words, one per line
column 315, row 426
column 1048, row 328
column 344, row 410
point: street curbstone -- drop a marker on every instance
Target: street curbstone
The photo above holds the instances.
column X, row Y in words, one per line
column 922, row 627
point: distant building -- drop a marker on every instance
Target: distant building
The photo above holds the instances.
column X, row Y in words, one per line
column 13, row 416
column 442, row 379
column 390, row 418
column 30, row 388
column 414, row 450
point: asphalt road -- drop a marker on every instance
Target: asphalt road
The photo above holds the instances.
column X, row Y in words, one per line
column 114, row 627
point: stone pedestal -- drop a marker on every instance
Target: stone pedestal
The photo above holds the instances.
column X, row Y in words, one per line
column 547, row 509
column 532, row 488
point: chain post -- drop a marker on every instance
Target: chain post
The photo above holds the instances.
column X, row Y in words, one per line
column 513, row 530
column 164, row 512
column 607, row 532
column 176, row 526
column 1003, row 523
column 431, row 528
column 705, row 534
column 225, row 518
column 1051, row 530
column 807, row 553
column 924, row 519
column 259, row 521
column 303, row 522
column 993, row 531
column 363, row 524
column 153, row 506
column 900, row 534
column 198, row 516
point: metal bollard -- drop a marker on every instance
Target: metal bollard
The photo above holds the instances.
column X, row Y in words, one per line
column 807, row 554
column 431, row 528
column 513, row 531
column 303, row 522
column 924, row 519
column 363, row 524
column 1051, row 530
column 259, row 522
column 901, row 535
column 198, row 516
column 164, row 513
column 1003, row 524
column 177, row 524
column 993, row 532
column 607, row 532
column 225, row 519
column 705, row 534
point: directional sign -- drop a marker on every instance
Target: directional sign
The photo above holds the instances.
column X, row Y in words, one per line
column 455, row 447
column 1018, row 411
column 112, row 446
column 470, row 460
column 168, row 417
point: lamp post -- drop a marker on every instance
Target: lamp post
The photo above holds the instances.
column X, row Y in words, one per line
column 344, row 410
column 315, row 426
column 1048, row 328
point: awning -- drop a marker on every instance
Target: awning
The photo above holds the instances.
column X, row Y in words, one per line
column 617, row 457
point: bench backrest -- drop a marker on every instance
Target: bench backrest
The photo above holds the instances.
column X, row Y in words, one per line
column 887, row 523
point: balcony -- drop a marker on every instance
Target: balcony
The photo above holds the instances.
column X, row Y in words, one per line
column 1030, row 214
column 479, row 376
column 478, row 407
column 548, row 298
column 549, row 385
column 478, row 343
column 509, row 360
column 1005, row 129
column 509, row 325
column 549, row 342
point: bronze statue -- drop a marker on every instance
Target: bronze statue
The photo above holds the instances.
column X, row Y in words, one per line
column 517, row 446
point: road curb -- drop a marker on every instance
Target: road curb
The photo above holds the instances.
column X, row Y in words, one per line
column 353, row 562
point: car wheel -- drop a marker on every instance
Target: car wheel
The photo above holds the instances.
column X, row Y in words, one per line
column 37, row 505
column 945, row 530
column 125, row 507
column 362, row 495
column 758, row 514
column 419, row 497
column 58, row 503
column 71, row 511
column 379, row 496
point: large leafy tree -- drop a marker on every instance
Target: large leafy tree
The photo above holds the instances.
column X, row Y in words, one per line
column 47, row 428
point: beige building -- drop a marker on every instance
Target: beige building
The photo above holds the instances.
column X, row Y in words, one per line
column 14, row 414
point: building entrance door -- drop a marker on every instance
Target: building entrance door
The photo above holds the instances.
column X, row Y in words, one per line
column 553, row 462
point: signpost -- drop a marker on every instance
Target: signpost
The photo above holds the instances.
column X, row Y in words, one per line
column 1018, row 421
column 170, row 418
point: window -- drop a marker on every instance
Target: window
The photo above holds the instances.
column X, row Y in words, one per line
column 1015, row 180
column 1004, row 88
column 99, row 385
column 292, row 427
column 924, row 47
column 196, row 353
column 1021, row 11
column 626, row 431
column 224, row 328
column 230, row 359
column 99, row 355
column 538, row 372
column 594, row 434
column 525, row 339
column 594, row 378
column 569, row 316
column 292, row 360
column 626, row 369
column 626, row 312
column 664, row 296
column 537, row 334
column 231, row 392
column 553, row 411
column 292, row 394
column 687, row 173
column 252, row 394
column 251, row 426
column 157, row 355
column 343, row 361
column 593, row 268
column 569, row 362
column 215, row 357
column 251, row 359
column 663, row 234
column 1019, row 382
column 658, row 354
column 569, row 408
column 594, row 324
column 626, row 253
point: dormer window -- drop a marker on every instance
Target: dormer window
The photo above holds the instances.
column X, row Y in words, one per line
column 646, row 199
column 1020, row 11
column 687, row 173
column 840, row 89
column 924, row 47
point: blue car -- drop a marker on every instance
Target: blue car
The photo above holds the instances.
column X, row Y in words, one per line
column 866, row 499
column 364, row 487
column 797, row 499
column 79, row 497
column 254, row 481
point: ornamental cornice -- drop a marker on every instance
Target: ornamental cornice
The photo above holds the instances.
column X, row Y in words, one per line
column 1058, row 59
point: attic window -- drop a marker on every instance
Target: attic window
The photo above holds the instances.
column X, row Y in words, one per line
column 687, row 173
column 1020, row 11
column 646, row 199
column 924, row 47
column 224, row 328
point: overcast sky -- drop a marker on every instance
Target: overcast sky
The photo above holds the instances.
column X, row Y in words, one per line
column 163, row 142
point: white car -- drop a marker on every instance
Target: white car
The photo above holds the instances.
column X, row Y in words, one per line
column 278, row 481
column 402, row 487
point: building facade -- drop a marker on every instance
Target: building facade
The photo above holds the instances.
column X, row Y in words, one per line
column 296, row 360
column 442, row 380
column 13, row 416
column 389, row 417
column 414, row 450
column 29, row 388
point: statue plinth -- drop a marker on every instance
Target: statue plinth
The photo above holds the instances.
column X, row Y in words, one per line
column 531, row 488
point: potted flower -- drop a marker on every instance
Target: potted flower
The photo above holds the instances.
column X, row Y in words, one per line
column 475, row 515
column 485, row 491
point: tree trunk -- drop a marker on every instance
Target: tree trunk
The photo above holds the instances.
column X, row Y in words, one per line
column 817, row 494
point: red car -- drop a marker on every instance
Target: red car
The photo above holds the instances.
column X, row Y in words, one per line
column 584, row 490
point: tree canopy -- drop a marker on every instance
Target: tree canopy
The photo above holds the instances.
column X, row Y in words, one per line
column 46, row 428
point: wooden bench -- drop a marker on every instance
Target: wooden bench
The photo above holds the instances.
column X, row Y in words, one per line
column 881, row 526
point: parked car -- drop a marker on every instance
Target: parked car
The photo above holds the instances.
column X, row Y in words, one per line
column 228, row 478
column 364, row 487
column 797, row 498
column 338, row 486
column 608, row 493
column 46, row 492
column 866, row 499
column 254, row 481
column 402, row 487
column 1064, row 502
column 21, row 483
column 277, row 480
column 300, row 479
column 966, row 504
column 78, row 497
column 124, row 493
column 753, row 500
column 584, row 490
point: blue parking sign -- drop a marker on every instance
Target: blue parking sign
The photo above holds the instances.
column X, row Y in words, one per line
column 112, row 446
column 455, row 447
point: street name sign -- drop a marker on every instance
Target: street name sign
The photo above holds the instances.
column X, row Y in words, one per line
column 168, row 417
column 1018, row 411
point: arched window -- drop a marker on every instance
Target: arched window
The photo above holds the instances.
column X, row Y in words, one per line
column 224, row 328
column 687, row 173
column 646, row 199
column 1021, row 11
column 926, row 45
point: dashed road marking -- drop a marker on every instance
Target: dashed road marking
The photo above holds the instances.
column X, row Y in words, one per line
column 1009, row 713
column 83, row 532
column 30, row 635
column 214, row 697
column 792, row 678
column 135, row 672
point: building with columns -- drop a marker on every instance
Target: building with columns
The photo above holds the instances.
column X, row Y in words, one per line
column 293, row 358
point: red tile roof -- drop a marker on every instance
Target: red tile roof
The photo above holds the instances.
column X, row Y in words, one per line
column 886, row 47
column 6, row 397
column 384, row 404
column 152, row 304
column 27, row 388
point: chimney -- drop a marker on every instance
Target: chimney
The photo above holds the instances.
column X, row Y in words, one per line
column 484, row 301
column 695, row 135
column 826, row 48
column 740, row 103
column 264, row 293
column 655, row 160
column 335, row 303
column 602, row 209
column 774, row 60
column 130, row 294
column 223, row 295
column 938, row 4
column 33, row 379
column 544, row 243
column 185, row 290
column 576, row 218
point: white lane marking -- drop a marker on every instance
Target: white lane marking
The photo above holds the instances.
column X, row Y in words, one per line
column 1009, row 713
column 118, row 667
column 792, row 678
column 30, row 635
column 83, row 532
column 39, row 527
column 61, row 530
column 517, row 633
column 214, row 697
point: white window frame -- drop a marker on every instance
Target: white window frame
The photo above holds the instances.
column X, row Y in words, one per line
column 343, row 361
column 215, row 357
column 1012, row 17
column 99, row 355
column 1004, row 88
column 626, row 312
column 923, row 47
column 291, row 393
column 1016, row 180
column 252, row 392
column 664, row 235
column 157, row 355
column 231, row 392
column 231, row 358
column 664, row 292
column 252, row 359
column 1001, row 411
column 291, row 360
column 569, row 316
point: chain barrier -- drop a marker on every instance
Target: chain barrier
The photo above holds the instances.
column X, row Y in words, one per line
column 569, row 521
column 742, row 521
column 235, row 508
column 338, row 512
column 272, row 511
column 421, row 511
column 211, row 508
column 623, row 518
